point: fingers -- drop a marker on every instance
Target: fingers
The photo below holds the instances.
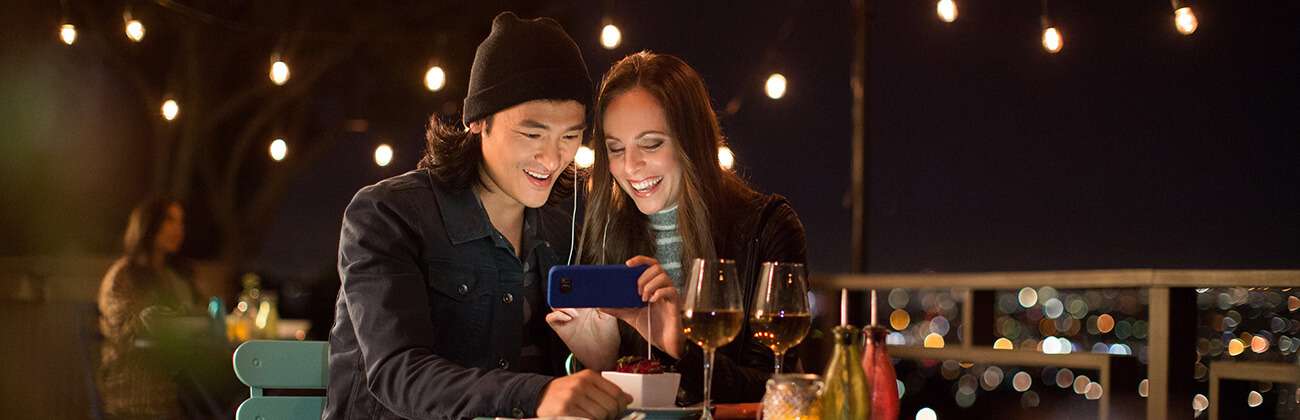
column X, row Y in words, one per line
column 653, row 275
column 664, row 294
column 659, row 284
column 558, row 318
column 603, row 398
column 613, row 392
column 641, row 260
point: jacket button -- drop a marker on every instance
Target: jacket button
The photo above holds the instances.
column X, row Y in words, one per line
column 462, row 289
column 507, row 298
column 517, row 412
column 503, row 364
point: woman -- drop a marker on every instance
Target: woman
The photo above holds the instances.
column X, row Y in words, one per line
column 143, row 287
column 657, row 190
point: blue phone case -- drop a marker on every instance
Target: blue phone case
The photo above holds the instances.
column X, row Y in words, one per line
column 593, row 286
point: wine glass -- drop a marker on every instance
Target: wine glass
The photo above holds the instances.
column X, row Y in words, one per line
column 781, row 318
column 712, row 313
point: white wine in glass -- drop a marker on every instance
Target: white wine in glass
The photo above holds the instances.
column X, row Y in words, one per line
column 712, row 313
column 781, row 318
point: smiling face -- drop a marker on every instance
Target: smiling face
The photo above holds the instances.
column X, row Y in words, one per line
column 642, row 150
column 525, row 147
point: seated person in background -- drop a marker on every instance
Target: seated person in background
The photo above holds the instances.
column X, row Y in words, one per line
column 143, row 289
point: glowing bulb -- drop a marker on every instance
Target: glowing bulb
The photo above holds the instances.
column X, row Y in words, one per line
column 435, row 78
column 726, row 158
column 775, row 86
column 279, row 149
column 170, row 109
column 947, row 10
column 585, row 157
column 68, row 33
column 1052, row 40
column 927, row 413
column 1185, row 20
column 1003, row 344
column 134, row 30
column 383, row 155
column 610, row 37
column 279, row 72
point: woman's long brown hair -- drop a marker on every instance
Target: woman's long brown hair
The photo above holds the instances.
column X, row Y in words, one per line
column 613, row 229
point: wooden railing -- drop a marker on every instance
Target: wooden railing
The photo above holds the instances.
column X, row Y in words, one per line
column 1172, row 320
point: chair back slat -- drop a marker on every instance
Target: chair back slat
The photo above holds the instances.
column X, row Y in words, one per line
column 279, row 364
column 267, row 408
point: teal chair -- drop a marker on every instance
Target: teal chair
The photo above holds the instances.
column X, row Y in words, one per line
column 289, row 365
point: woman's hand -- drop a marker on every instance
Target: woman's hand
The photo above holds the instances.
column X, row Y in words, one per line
column 592, row 336
column 663, row 310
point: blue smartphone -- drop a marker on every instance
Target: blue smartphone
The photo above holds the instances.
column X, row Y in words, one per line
column 594, row 286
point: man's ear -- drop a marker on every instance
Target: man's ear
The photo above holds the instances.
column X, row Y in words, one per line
column 476, row 127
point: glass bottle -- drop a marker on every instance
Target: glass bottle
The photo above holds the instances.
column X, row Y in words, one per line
column 880, row 374
column 847, row 393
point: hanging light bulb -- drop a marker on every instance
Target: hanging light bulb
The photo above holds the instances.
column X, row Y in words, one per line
column 170, row 109
column 435, row 78
column 1185, row 20
column 947, row 10
column 1052, row 41
column 610, row 36
column 775, row 86
column 279, row 72
column 726, row 158
column 279, row 149
column 383, row 155
column 134, row 28
column 585, row 157
column 68, row 33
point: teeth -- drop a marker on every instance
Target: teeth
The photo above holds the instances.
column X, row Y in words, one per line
column 645, row 185
column 538, row 175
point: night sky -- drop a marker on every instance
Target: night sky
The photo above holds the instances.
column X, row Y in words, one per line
column 1133, row 147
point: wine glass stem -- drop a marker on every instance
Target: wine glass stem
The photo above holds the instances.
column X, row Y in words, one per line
column 779, row 356
column 708, row 383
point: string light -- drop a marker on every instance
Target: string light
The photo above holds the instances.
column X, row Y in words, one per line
column 585, row 157
column 610, row 36
column 1185, row 19
column 726, row 158
column 170, row 109
column 1052, row 41
column 68, row 33
column 775, row 86
column 279, row 149
column 134, row 28
column 383, row 155
column 947, row 10
column 279, row 72
column 435, row 78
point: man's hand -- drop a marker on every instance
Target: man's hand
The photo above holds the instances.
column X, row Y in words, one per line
column 583, row 394
column 591, row 335
column 663, row 310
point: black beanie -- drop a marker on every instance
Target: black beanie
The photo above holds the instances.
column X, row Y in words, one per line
column 525, row 60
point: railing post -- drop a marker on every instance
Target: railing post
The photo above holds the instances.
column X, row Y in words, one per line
column 1119, row 399
column 1171, row 353
column 978, row 319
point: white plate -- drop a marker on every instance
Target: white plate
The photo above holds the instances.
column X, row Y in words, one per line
column 666, row 413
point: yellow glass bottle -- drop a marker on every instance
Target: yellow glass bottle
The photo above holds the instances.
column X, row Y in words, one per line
column 847, row 393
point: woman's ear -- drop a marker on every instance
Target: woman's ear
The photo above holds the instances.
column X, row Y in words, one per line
column 476, row 127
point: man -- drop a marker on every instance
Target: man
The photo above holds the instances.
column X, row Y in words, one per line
column 441, row 312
